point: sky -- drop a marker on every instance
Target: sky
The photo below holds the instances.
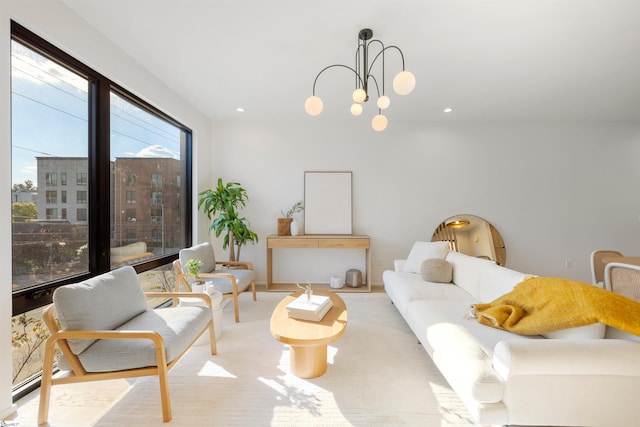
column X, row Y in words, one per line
column 49, row 118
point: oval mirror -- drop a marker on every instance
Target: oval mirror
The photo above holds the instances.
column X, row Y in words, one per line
column 473, row 236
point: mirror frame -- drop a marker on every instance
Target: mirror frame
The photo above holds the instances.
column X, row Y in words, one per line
column 473, row 236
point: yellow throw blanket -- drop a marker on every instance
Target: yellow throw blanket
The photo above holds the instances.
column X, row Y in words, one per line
column 540, row 305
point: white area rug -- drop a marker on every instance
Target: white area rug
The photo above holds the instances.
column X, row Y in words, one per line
column 378, row 375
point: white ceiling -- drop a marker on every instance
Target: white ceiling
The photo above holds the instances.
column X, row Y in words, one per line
column 491, row 60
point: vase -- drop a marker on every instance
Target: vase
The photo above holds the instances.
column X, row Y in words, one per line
column 198, row 288
column 284, row 226
column 295, row 228
column 209, row 287
column 308, row 292
column 336, row 282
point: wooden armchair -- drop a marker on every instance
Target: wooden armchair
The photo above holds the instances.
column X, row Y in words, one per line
column 622, row 279
column 231, row 281
column 597, row 266
column 102, row 327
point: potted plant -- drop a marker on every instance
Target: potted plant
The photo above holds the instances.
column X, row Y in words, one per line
column 224, row 201
column 286, row 221
column 193, row 268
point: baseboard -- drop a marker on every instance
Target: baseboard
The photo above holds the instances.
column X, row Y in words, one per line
column 9, row 413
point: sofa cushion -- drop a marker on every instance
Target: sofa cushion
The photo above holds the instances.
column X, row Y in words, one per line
column 467, row 271
column 594, row 331
column 424, row 250
column 436, row 270
column 103, row 302
column 405, row 287
column 496, row 281
column 422, row 314
column 617, row 334
column 462, row 360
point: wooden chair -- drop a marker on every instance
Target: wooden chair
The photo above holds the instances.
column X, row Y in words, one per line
column 102, row 327
column 597, row 266
column 231, row 281
column 623, row 279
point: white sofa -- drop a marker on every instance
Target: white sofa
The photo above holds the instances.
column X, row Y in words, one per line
column 573, row 377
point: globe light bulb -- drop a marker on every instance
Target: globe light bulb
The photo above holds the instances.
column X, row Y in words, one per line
column 359, row 95
column 383, row 102
column 379, row 123
column 313, row 105
column 356, row 109
column 404, row 82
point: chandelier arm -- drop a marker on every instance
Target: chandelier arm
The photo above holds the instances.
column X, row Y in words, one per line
column 331, row 66
column 377, row 87
column 382, row 49
column 378, row 90
column 389, row 47
column 357, row 64
column 368, row 70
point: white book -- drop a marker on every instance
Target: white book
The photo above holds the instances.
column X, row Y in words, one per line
column 316, row 304
column 309, row 315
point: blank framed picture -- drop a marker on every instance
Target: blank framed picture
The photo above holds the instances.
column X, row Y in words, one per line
column 327, row 202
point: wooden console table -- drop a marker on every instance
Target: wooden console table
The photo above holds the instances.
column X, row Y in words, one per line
column 318, row 241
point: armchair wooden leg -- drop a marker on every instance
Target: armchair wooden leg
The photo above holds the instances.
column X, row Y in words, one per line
column 163, row 379
column 236, row 309
column 164, row 393
column 212, row 338
column 45, row 386
column 253, row 289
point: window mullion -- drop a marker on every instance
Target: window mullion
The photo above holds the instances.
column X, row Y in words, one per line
column 99, row 176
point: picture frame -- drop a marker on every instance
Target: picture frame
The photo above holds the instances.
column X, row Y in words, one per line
column 328, row 202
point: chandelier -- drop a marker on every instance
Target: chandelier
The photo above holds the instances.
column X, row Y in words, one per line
column 403, row 82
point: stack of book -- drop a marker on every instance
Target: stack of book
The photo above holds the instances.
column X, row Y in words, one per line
column 305, row 308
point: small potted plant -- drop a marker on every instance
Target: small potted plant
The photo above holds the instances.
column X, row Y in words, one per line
column 285, row 223
column 193, row 268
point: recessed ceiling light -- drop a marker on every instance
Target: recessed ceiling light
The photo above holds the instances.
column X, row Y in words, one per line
column 448, row 110
column 240, row 110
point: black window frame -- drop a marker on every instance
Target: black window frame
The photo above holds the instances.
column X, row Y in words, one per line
column 99, row 172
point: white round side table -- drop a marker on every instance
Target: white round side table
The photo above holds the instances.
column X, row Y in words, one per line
column 216, row 309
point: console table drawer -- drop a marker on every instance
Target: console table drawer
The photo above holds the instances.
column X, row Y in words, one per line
column 344, row 243
column 292, row 243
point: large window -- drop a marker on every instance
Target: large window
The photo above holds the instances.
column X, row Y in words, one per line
column 73, row 128
column 144, row 144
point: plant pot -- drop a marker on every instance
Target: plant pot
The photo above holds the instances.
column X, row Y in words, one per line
column 284, row 226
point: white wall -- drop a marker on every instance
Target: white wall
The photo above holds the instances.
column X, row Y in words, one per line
column 52, row 20
column 554, row 191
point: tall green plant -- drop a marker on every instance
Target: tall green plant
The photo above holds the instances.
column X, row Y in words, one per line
column 221, row 205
